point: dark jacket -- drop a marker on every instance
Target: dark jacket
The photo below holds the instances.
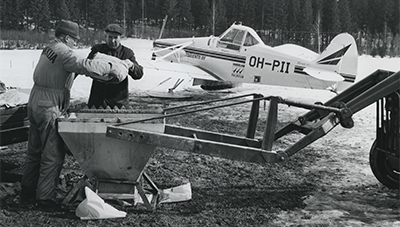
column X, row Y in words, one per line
column 103, row 94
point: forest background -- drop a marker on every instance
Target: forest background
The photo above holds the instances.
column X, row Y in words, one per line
column 375, row 24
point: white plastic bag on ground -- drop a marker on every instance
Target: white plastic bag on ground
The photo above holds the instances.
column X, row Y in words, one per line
column 176, row 194
column 170, row 195
column 94, row 207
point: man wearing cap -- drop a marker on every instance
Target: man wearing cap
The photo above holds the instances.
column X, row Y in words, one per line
column 113, row 95
column 49, row 99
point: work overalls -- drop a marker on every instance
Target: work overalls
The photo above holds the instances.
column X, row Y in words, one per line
column 49, row 99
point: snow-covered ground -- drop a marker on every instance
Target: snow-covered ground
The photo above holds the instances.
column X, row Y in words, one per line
column 16, row 69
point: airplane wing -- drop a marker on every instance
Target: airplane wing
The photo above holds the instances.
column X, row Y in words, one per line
column 176, row 70
column 179, row 72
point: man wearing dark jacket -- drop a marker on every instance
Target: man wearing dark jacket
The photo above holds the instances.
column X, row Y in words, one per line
column 107, row 94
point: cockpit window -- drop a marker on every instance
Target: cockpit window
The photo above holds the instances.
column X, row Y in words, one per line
column 232, row 40
column 250, row 40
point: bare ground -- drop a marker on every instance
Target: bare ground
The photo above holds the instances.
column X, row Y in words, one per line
column 328, row 183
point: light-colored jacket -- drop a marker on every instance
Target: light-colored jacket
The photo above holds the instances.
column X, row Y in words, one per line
column 55, row 72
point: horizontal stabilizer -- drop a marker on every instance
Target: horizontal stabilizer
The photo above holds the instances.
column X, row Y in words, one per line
column 323, row 74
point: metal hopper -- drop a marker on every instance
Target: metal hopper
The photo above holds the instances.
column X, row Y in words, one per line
column 114, row 166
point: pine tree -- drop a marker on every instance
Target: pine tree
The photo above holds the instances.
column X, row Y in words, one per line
column 108, row 12
column 74, row 10
column 171, row 9
column 155, row 10
column 359, row 13
column 293, row 16
column 241, row 11
column 276, row 14
column 373, row 20
column 93, row 13
column 248, row 11
column 184, row 16
column 306, row 26
column 61, row 10
column 394, row 20
column 259, row 15
column 11, row 14
column 344, row 16
column 101, row 13
column 220, row 19
column 201, row 14
column 388, row 12
column 135, row 10
column 120, row 7
column 39, row 11
column 306, row 16
column 330, row 17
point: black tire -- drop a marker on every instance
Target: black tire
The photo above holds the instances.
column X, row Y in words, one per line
column 382, row 168
column 217, row 85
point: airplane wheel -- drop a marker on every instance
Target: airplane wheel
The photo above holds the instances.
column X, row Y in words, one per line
column 217, row 85
column 383, row 168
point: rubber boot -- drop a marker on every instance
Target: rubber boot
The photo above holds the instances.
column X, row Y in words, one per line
column 28, row 195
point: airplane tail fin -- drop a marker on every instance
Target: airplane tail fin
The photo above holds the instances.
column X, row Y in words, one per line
column 340, row 56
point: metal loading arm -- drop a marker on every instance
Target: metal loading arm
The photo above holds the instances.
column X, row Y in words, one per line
column 325, row 118
column 355, row 98
column 200, row 141
column 372, row 88
column 191, row 140
column 222, row 145
column 384, row 88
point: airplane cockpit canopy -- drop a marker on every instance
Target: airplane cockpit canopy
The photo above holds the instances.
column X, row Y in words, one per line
column 237, row 36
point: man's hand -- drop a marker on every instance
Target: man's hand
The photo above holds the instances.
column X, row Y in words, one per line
column 118, row 71
column 127, row 63
column 118, row 68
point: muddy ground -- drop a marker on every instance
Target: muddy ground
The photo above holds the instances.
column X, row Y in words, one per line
column 328, row 183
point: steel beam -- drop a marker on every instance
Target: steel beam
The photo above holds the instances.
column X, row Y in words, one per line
column 195, row 145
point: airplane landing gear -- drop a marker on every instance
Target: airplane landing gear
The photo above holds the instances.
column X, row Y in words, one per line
column 217, row 85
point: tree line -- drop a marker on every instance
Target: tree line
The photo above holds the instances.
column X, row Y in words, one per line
column 374, row 23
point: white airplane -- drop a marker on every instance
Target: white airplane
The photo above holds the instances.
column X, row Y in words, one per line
column 240, row 56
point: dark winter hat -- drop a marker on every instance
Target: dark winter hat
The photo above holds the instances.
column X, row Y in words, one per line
column 114, row 28
column 68, row 28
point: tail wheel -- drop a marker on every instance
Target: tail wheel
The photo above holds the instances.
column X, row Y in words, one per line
column 383, row 168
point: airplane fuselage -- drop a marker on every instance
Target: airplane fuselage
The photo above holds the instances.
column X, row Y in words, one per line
column 240, row 56
column 240, row 64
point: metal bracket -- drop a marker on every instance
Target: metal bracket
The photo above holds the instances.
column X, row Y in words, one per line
column 344, row 115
